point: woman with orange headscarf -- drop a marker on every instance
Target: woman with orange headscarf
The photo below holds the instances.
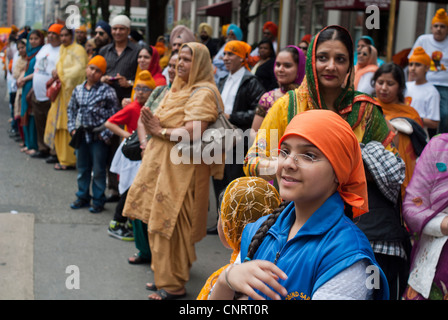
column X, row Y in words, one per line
column 390, row 84
column 311, row 249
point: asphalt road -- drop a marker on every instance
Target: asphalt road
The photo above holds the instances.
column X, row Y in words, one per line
column 51, row 252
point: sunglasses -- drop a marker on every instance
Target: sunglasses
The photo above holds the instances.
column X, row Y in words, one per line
column 101, row 33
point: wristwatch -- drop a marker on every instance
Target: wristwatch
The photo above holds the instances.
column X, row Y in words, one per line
column 163, row 133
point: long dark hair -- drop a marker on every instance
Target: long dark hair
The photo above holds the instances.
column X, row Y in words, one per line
column 397, row 73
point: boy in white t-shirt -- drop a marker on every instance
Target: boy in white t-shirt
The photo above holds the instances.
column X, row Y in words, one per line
column 420, row 94
column 436, row 46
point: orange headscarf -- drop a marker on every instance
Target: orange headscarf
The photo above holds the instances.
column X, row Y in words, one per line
column 420, row 56
column 440, row 17
column 334, row 137
column 239, row 48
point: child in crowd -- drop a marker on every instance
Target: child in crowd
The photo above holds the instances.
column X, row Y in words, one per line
column 91, row 104
column 245, row 200
column 124, row 167
column 313, row 236
column 421, row 94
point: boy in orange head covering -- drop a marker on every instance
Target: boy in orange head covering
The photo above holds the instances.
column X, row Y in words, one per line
column 435, row 45
column 91, row 104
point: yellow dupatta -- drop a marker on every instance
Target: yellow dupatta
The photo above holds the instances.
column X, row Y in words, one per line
column 71, row 69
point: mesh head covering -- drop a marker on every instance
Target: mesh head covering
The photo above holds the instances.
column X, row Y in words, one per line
column 245, row 200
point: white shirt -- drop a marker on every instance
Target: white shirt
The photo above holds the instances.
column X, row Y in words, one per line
column 365, row 83
column 230, row 89
column 46, row 60
column 440, row 77
column 425, row 99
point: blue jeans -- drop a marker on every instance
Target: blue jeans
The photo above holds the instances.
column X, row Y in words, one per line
column 443, row 124
column 92, row 158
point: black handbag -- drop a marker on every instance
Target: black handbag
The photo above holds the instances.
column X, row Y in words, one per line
column 76, row 140
column 131, row 147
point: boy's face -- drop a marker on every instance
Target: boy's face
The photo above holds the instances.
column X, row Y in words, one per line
column 417, row 71
column 142, row 93
column 439, row 31
column 93, row 73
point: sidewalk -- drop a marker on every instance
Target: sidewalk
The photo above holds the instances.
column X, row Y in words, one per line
column 16, row 256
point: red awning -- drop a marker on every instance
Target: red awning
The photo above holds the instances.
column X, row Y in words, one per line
column 220, row 9
column 355, row 4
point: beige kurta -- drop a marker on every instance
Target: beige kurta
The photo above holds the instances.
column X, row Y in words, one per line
column 172, row 199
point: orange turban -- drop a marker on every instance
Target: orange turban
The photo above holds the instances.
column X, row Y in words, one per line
column 420, row 56
column 56, row 28
column 440, row 17
column 145, row 78
column 334, row 137
column 239, row 48
column 224, row 30
column 272, row 27
column 99, row 62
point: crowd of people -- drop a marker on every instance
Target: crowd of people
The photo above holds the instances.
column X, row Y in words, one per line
column 345, row 166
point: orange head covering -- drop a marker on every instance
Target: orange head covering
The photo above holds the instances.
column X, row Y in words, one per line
column 306, row 38
column 440, row 17
column 334, row 137
column 100, row 62
column 272, row 27
column 420, row 56
column 145, row 78
column 56, row 28
column 224, row 30
column 239, row 48
column 82, row 28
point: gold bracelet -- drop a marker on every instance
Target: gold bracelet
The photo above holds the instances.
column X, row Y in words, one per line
column 163, row 133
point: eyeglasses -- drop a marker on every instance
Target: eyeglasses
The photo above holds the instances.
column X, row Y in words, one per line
column 300, row 159
column 143, row 89
column 101, row 33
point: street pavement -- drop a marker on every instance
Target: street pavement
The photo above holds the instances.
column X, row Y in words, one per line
column 51, row 252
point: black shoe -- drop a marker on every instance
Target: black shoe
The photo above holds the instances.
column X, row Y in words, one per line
column 51, row 159
column 79, row 203
column 96, row 209
column 39, row 155
column 212, row 230
column 113, row 198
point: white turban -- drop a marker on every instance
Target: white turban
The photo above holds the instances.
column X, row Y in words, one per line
column 121, row 20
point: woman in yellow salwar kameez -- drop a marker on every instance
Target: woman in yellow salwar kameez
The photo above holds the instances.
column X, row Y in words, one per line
column 172, row 199
column 71, row 71
column 328, row 84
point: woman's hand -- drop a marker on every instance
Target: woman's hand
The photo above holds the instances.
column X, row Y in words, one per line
column 122, row 81
column 150, row 121
column 245, row 278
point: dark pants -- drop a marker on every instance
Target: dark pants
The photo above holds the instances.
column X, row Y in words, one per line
column 40, row 109
column 118, row 216
column 92, row 158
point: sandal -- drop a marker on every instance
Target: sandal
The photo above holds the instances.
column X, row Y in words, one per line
column 61, row 167
column 151, row 287
column 24, row 149
column 163, row 295
column 137, row 259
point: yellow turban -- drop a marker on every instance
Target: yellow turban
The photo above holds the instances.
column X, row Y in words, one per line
column 440, row 17
column 208, row 28
column 145, row 78
column 420, row 56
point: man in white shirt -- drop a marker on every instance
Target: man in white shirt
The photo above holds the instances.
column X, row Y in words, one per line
column 46, row 60
column 436, row 46
column 420, row 94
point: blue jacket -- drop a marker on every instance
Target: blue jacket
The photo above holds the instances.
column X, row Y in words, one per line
column 327, row 243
